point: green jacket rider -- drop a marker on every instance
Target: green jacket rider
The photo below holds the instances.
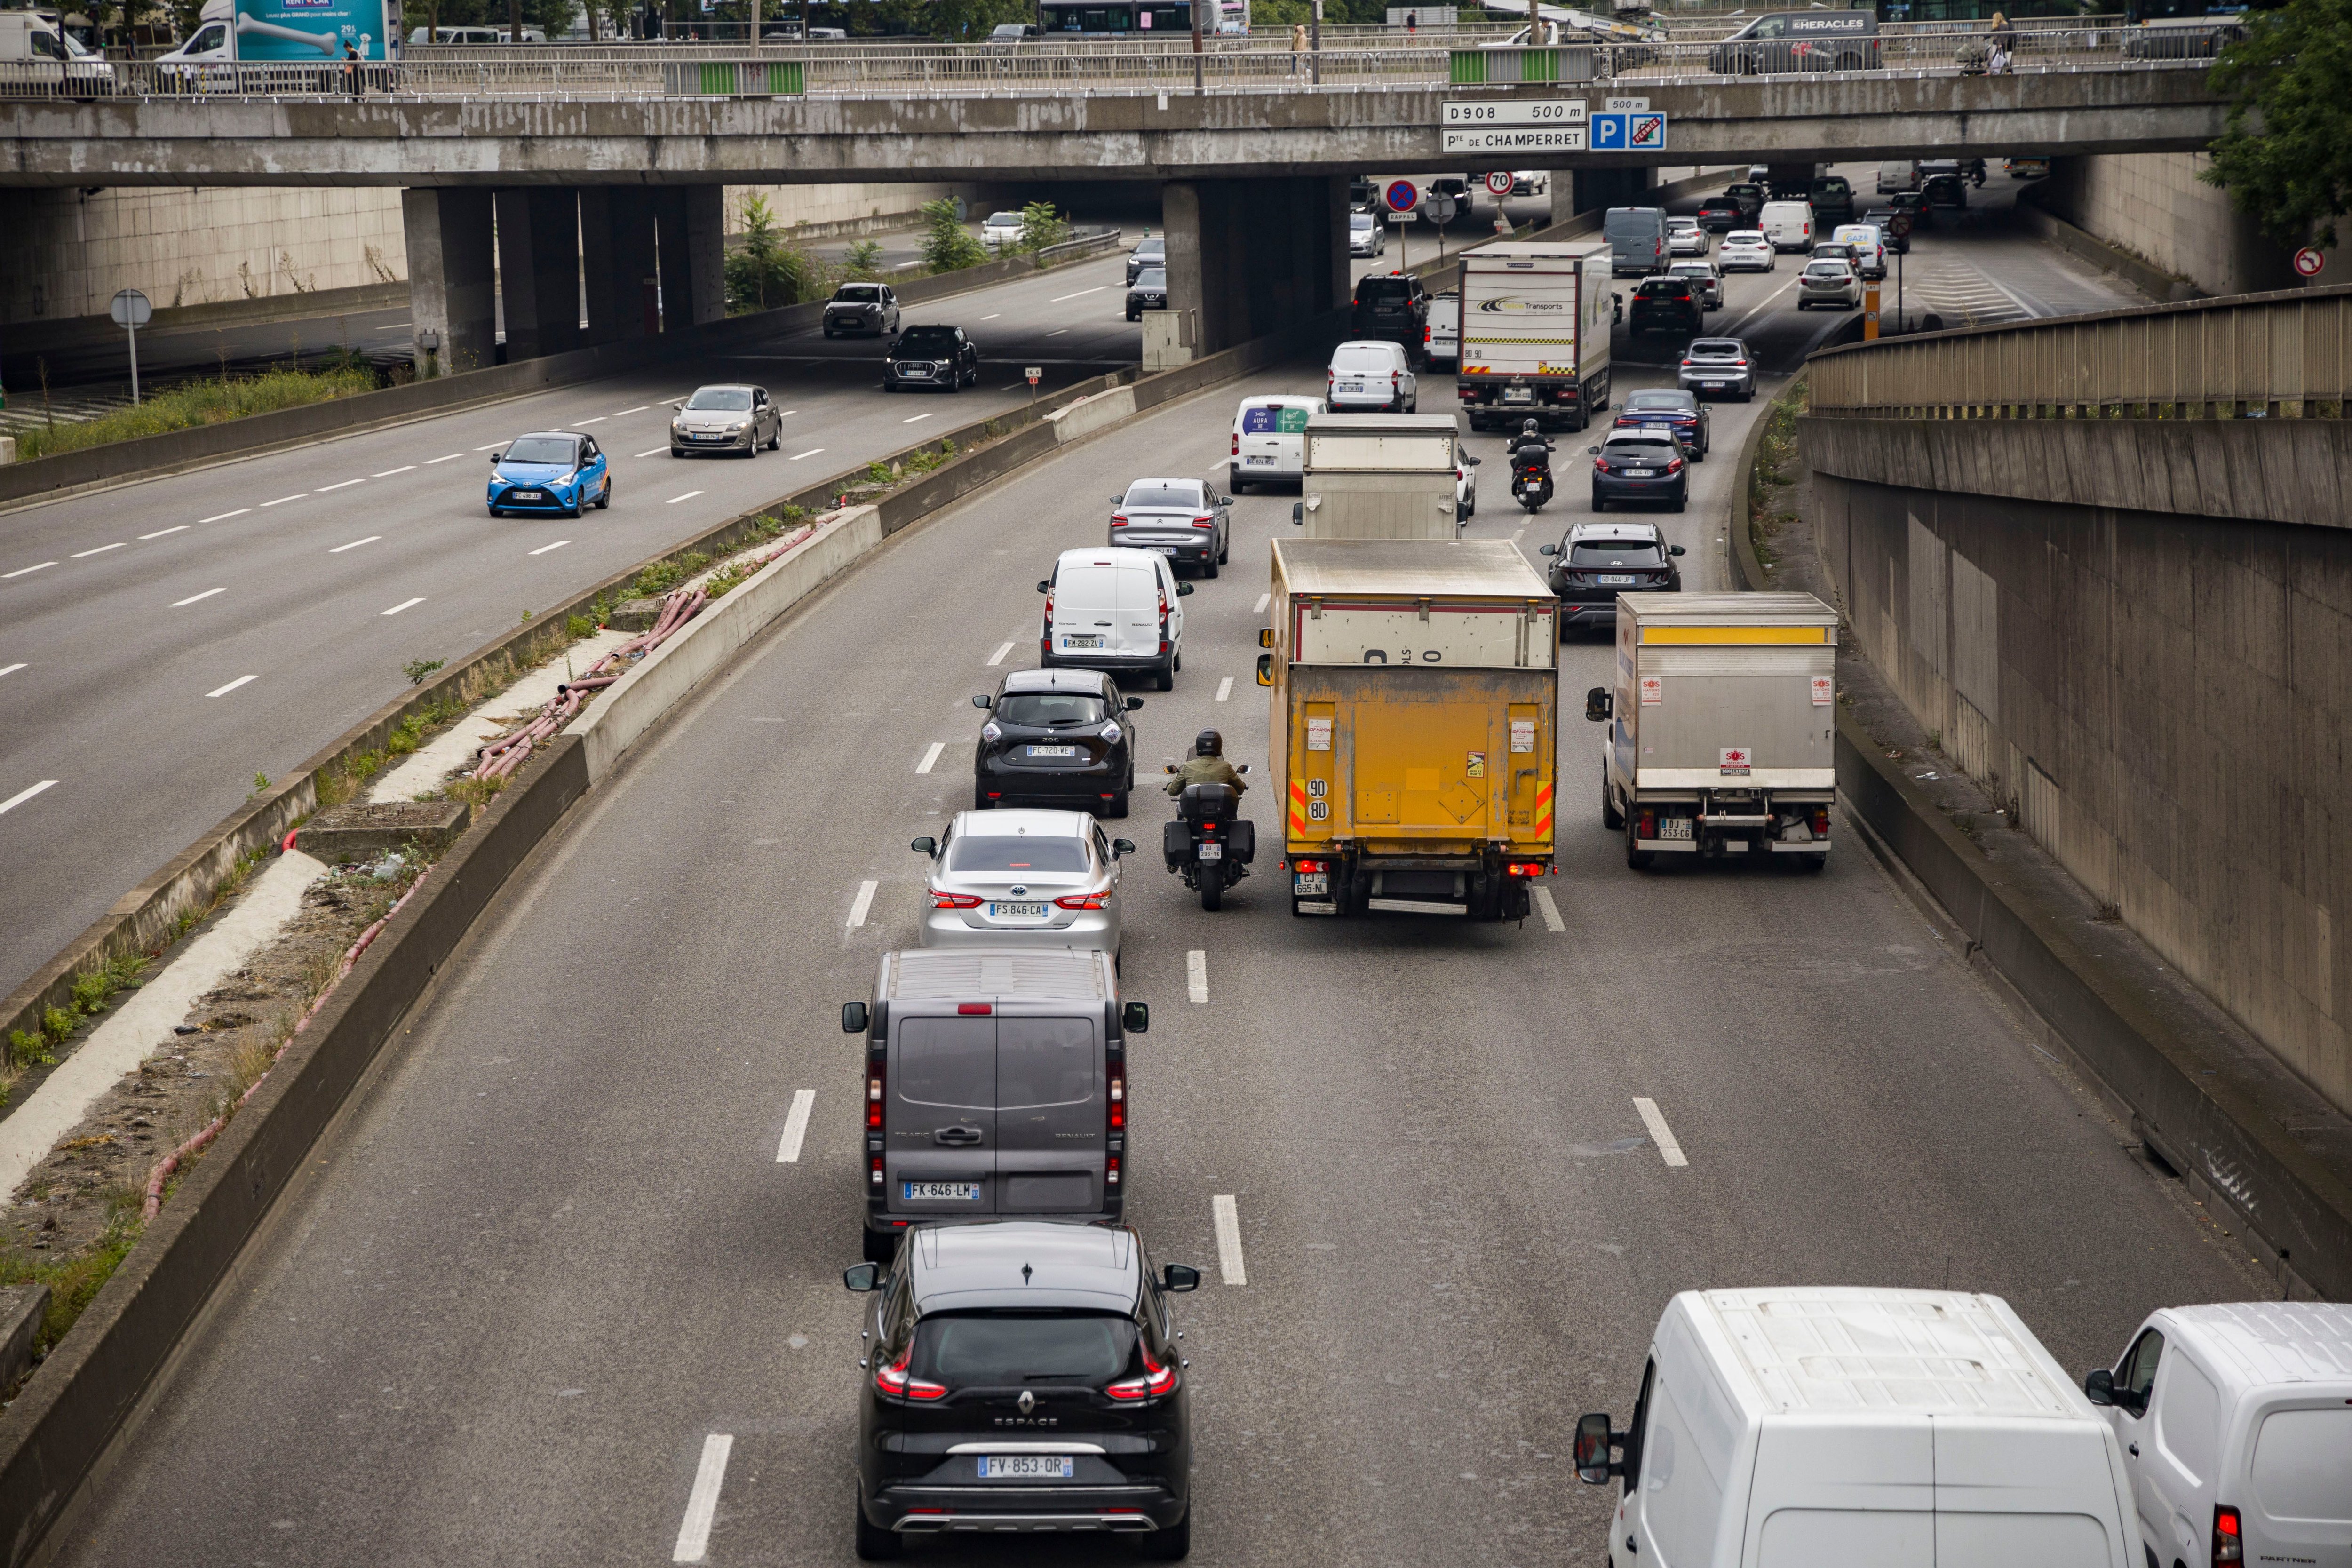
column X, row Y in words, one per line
column 1207, row 765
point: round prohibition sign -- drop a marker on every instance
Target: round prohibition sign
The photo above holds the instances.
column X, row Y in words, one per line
column 1402, row 196
column 1499, row 183
column 2309, row 260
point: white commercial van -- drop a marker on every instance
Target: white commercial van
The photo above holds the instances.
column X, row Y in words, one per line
column 1788, row 226
column 1834, row 1427
column 1270, row 440
column 1869, row 247
column 1116, row 610
column 2236, row 1422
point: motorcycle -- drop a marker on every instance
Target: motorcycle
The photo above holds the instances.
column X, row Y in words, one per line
column 1210, row 844
column 1530, row 482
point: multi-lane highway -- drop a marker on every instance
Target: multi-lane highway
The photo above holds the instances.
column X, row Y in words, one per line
column 163, row 643
column 557, row 1246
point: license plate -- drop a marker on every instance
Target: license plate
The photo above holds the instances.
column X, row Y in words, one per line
column 1351, row 387
column 1027, row 1467
column 1611, row 582
column 1252, row 461
column 1318, row 883
column 1212, row 851
column 1674, row 827
column 1714, row 385
column 1641, row 473
column 708, row 436
column 1076, row 641
column 528, row 495
column 1518, row 394
column 1015, row 911
column 933, row 1192
column 1073, row 750
column 913, row 374
column 1164, row 549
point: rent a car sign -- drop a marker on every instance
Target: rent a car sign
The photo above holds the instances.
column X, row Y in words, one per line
column 1515, row 125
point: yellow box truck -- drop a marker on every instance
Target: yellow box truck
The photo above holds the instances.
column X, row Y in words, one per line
column 1415, row 692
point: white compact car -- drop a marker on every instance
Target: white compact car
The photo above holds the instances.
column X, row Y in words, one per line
column 1685, row 237
column 1706, row 278
column 1270, row 440
column 1746, row 251
column 1116, row 610
column 1827, row 282
column 1001, row 230
column 1370, row 375
column 1024, row 879
column 1366, row 234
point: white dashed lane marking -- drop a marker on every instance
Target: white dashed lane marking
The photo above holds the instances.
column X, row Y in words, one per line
column 687, row 496
column 281, row 501
column 27, row 571
column 915, row 419
column 545, row 548
column 1196, row 974
column 998, row 656
column 1660, row 1134
column 387, row 473
column 812, row 452
column 1549, row 910
column 344, row 485
column 232, row 686
column 86, row 554
column 355, row 544
column 404, row 604
column 22, row 795
column 175, row 528
column 1079, row 295
column 11, row 668
column 702, row 1502
column 428, row 463
column 225, row 516
column 1224, row 687
column 930, row 756
column 864, row 904
column 1229, row 1239
column 1263, row 601
column 796, row 1120
column 193, row 598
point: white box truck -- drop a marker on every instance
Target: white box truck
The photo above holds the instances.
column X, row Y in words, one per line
column 1722, row 726
column 1841, row 1427
column 1535, row 335
column 1382, row 476
column 281, row 32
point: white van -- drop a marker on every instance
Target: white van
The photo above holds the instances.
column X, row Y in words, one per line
column 1117, row 610
column 1270, row 440
column 2236, row 1422
column 1442, row 339
column 1788, row 226
column 1832, row 1427
column 35, row 49
column 1869, row 247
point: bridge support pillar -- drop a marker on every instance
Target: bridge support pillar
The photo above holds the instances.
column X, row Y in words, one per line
column 451, row 290
column 538, row 269
column 1575, row 191
column 1251, row 256
column 617, row 253
column 692, row 221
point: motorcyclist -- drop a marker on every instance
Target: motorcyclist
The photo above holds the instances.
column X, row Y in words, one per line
column 1207, row 764
column 1528, row 448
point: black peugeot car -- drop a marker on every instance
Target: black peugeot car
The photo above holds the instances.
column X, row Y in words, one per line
column 1022, row 1375
column 1055, row 737
column 931, row 357
column 1595, row 562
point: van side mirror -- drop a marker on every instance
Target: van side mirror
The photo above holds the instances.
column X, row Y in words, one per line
column 1265, row 637
column 1183, row 590
column 929, row 846
column 1133, row 704
column 2099, row 1386
column 1136, row 1018
column 1119, row 847
column 1177, row 1278
column 1043, row 586
column 1265, row 669
column 1242, row 769
column 863, row 1277
column 1674, row 550
column 1598, row 704
column 1549, row 550
column 983, row 701
column 1593, row 1441
column 854, row 1017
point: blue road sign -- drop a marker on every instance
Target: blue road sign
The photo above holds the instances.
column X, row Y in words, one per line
column 1607, row 132
column 1627, row 132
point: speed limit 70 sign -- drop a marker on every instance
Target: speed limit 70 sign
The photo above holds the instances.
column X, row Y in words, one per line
column 1499, row 183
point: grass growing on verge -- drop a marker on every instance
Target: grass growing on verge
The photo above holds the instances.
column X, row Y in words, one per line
column 1775, row 469
column 198, row 403
column 73, row 1281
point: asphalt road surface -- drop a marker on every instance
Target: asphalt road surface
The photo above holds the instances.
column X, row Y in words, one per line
column 553, row 1248
column 163, row 643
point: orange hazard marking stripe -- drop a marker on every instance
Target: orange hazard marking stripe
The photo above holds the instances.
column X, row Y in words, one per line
column 1297, row 806
column 1543, row 808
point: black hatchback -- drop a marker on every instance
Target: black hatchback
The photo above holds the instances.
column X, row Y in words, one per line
column 1022, row 1375
column 1055, row 737
column 931, row 357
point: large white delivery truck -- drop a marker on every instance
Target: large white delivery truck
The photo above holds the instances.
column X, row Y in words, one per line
column 1841, row 1428
column 1722, row 726
column 1535, row 335
column 281, row 32
column 1381, row 476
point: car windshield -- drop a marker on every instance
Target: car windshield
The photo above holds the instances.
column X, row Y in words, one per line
column 1043, row 709
column 1151, row 247
column 1152, row 278
column 997, row 1350
column 1644, row 401
column 1616, row 553
column 1382, row 290
column 1161, row 496
column 540, row 449
column 859, row 293
column 1024, row 854
column 1360, row 220
column 1005, row 220
column 728, row 399
column 927, row 340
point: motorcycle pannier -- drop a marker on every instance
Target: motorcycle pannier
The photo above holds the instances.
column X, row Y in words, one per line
column 1176, row 842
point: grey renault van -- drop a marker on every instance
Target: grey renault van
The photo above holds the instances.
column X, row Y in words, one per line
column 995, row 1088
column 1637, row 241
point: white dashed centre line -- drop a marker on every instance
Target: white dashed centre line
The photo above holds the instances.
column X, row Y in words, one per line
column 1229, row 1239
column 11, row 668
column 702, row 1502
column 930, row 756
column 786, row 412
column 998, row 656
column 812, row 452
column 864, row 904
column 404, row 604
column 915, row 419
column 404, row 468
column 281, row 501
column 788, row 1151
column 1549, row 910
column 344, row 485
column 85, row 554
column 687, row 496
column 992, row 316
column 232, row 686
column 194, row 598
column 27, row 571
column 651, row 451
column 22, row 795
column 640, row 408
column 545, row 548
column 598, row 420
column 1196, row 974
column 1224, row 687
column 428, row 463
column 175, row 528
column 1660, row 1134
column 224, row 516
column 1058, row 332
column 1079, row 295
column 355, row 544
column 492, row 445
column 1263, row 601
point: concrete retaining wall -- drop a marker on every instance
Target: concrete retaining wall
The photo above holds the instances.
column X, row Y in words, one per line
column 2155, row 205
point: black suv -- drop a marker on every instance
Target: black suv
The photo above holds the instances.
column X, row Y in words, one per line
column 932, row 357
column 1666, row 305
column 1055, row 736
column 1147, row 292
column 1393, row 306
column 1149, row 251
column 1595, row 562
column 1721, row 215
column 1023, row 1376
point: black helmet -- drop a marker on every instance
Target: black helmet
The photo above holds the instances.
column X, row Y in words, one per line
column 1531, row 428
column 1208, row 744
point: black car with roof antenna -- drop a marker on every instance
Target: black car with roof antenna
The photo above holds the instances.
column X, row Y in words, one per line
column 1022, row 1377
column 1058, row 737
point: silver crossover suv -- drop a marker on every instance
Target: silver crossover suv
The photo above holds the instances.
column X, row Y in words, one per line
column 1024, row 879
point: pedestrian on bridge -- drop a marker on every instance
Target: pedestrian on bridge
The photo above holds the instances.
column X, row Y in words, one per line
column 2003, row 39
column 1298, row 44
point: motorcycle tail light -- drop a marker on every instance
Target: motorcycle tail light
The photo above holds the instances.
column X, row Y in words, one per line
column 1118, row 1101
column 944, row 901
column 894, row 1379
column 1083, row 901
column 1156, row 1380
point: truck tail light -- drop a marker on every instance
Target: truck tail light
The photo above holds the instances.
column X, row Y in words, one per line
column 945, row 901
column 1156, row 1380
column 1309, row 867
column 1118, row 1100
column 1083, row 901
column 874, row 1100
column 2229, row 1541
column 894, row 1379
column 1821, row 823
column 1648, row 826
column 1524, row 868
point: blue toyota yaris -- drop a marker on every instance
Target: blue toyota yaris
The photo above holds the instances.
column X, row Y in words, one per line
column 556, row 472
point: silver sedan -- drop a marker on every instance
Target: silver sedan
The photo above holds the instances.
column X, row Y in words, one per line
column 1024, row 879
column 726, row 418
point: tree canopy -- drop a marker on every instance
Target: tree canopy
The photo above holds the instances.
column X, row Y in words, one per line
column 2286, row 155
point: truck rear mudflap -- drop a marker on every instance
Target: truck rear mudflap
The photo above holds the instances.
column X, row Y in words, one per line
column 1491, row 886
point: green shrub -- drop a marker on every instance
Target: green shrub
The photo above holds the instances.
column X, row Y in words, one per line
column 198, row 403
column 948, row 245
column 768, row 271
column 1041, row 226
column 862, row 264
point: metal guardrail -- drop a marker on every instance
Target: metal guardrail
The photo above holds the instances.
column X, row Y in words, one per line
column 2287, row 354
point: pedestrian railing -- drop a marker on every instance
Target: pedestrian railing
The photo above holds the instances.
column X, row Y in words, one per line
column 2287, row 354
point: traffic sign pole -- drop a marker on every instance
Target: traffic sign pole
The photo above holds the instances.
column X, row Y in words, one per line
column 131, row 310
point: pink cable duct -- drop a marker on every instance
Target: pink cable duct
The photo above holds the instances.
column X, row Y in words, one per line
column 171, row 1162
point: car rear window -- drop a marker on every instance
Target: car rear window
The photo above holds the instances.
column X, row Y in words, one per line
column 948, row 1061
column 1693, row 269
column 1042, row 709
column 1361, row 361
column 1663, row 289
column 1826, row 269
column 1010, row 1349
column 722, row 399
column 1382, row 290
column 1703, row 348
column 1634, row 225
column 1744, row 237
column 996, row 853
column 1148, row 496
column 544, row 449
column 1611, row 553
column 1044, row 1061
column 936, row 339
column 1639, row 452
column 1647, row 400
